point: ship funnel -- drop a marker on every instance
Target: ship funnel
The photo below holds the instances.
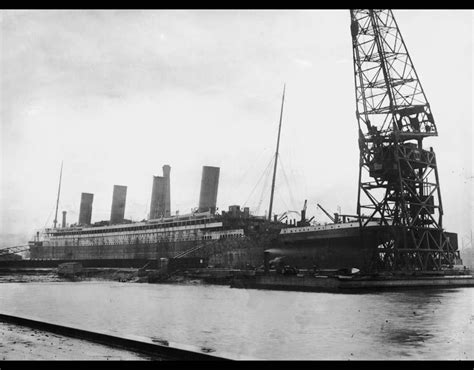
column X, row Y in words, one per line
column 85, row 211
column 167, row 191
column 209, row 186
column 160, row 195
column 64, row 219
column 118, row 204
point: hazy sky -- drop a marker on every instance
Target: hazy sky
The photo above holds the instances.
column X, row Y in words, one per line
column 118, row 94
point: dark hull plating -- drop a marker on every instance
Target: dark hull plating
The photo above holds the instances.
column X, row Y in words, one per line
column 242, row 253
column 330, row 249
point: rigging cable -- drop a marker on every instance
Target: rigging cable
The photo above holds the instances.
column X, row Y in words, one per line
column 283, row 201
column 260, row 179
column 264, row 188
column 47, row 220
column 292, row 199
column 255, row 161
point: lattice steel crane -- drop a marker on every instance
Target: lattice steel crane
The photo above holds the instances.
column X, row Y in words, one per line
column 398, row 177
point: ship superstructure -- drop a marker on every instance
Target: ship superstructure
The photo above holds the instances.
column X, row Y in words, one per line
column 232, row 238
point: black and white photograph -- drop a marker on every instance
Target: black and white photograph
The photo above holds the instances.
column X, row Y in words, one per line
column 236, row 184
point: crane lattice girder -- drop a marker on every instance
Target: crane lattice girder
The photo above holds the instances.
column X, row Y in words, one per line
column 390, row 96
column 398, row 179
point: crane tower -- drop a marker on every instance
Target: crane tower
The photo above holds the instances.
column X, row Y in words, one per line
column 398, row 177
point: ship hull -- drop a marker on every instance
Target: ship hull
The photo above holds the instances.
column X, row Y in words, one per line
column 333, row 248
column 234, row 245
column 338, row 246
column 109, row 252
column 54, row 263
column 326, row 249
column 242, row 253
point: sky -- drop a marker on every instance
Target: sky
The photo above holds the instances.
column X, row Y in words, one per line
column 117, row 94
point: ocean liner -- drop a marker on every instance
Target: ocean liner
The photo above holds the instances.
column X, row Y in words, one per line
column 234, row 238
column 231, row 239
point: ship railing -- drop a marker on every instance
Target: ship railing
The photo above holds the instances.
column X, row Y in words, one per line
column 331, row 226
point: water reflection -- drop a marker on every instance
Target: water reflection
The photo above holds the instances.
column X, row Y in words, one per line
column 409, row 337
column 420, row 319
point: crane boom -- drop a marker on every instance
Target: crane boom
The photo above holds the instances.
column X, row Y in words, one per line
column 326, row 212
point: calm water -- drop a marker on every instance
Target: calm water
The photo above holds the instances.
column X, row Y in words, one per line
column 262, row 324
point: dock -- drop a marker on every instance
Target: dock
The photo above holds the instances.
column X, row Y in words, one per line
column 156, row 349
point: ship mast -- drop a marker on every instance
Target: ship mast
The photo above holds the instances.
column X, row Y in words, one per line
column 276, row 157
column 59, row 191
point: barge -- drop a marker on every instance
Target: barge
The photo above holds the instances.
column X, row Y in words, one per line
column 352, row 284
